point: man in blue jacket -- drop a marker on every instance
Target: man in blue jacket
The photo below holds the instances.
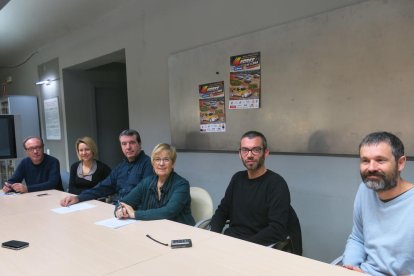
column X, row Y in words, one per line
column 39, row 170
column 124, row 177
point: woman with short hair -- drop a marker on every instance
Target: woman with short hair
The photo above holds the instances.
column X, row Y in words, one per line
column 166, row 195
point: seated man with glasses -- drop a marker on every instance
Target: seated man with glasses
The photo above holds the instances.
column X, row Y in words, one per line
column 257, row 200
column 39, row 170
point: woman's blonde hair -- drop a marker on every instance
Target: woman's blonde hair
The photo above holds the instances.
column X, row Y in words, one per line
column 90, row 143
column 167, row 147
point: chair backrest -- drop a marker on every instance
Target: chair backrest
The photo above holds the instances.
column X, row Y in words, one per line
column 201, row 204
column 65, row 180
column 295, row 233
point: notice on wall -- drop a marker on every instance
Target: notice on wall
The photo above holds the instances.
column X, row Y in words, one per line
column 52, row 119
column 245, row 79
column 212, row 107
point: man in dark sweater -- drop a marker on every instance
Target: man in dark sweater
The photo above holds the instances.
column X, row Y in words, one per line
column 39, row 170
column 257, row 200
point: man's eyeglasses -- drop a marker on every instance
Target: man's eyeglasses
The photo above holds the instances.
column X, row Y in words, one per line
column 159, row 160
column 32, row 149
column 255, row 150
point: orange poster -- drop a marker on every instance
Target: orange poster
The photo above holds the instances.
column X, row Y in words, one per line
column 212, row 107
column 245, row 80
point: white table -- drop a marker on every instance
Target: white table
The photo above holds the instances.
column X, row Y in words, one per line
column 72, row 244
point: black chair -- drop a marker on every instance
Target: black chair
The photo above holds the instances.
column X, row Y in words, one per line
column 292, row 243
column 295, row 233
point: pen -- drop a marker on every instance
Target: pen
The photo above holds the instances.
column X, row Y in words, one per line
column 10, row 186
column 119, row 206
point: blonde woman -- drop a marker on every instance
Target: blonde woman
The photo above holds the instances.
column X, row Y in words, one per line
column 88, row 171
column 166, row 195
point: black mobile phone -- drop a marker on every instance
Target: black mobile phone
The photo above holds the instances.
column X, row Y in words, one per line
column 15, row 245
column 181, row 243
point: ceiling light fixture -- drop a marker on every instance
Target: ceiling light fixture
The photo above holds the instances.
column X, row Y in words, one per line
column 47, row 82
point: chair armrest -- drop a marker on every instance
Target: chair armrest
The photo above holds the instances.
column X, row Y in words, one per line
column 286, row 246
column 337, row 261
column 280, row 245
column 204, row 224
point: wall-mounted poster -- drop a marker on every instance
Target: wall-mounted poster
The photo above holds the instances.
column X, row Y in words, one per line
column 245, row 76
column 52, row 118
column 212, row 107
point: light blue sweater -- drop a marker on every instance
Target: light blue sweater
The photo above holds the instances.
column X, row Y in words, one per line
column 382, row 238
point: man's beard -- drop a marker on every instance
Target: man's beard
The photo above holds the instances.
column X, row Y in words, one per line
column 255, row 166
column 385, row 182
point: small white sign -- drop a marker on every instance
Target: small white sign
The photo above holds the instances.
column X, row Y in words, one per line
column 52, row 118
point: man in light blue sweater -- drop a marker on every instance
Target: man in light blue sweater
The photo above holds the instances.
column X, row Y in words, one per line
column 382, row 238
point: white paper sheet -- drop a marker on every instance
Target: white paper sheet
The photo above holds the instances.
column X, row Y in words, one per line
column 73, row 208
column 115, row 223
column 2, row 193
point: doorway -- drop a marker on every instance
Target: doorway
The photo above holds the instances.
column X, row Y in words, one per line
column 96, row 105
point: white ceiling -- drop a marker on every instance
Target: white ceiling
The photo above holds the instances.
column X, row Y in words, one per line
column 3, row 3
column 26, row 25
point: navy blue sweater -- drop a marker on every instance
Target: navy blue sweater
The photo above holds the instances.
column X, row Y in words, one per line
column 45, row 176
column 123, row 178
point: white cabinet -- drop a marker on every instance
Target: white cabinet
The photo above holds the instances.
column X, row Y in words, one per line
column 7, row 168
column 26, row 111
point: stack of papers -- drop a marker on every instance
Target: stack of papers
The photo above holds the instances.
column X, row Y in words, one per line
column 73, row 208
column 2, row 193
column 111, row 222
column 115, row 223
